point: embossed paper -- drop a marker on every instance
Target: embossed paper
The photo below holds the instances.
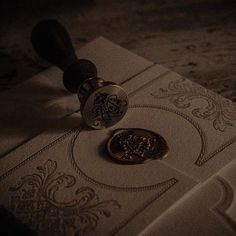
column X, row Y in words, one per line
column 209, row 209
column 63, row 182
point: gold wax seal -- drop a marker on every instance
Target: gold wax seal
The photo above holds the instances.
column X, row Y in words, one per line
column 136, row 146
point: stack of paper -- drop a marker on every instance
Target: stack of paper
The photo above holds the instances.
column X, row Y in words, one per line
column 62, row 181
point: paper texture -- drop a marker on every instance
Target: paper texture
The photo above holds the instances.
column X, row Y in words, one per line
column 62, row 182
column 208, row 210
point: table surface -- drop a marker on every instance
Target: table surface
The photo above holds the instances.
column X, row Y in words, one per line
column 196, row 38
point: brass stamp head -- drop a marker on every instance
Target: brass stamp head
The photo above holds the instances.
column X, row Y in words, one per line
column 103, row 103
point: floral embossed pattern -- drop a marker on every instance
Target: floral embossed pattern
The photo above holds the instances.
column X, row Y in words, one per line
column 181, row 94
column 35, row 201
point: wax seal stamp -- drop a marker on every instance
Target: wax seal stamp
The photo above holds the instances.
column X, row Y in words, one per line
column 102, row 103
column 135, row 146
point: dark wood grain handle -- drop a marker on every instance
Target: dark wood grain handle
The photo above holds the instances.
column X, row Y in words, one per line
column 52, row 42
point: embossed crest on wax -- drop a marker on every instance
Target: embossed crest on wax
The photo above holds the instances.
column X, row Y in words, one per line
column 136, row 146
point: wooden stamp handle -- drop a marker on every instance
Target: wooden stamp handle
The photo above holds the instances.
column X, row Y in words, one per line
column 52, row 42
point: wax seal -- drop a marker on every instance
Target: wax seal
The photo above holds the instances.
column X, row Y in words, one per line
column 102, row 103
column 136, row 146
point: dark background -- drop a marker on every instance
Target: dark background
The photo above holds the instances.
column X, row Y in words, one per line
column 196, row 38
